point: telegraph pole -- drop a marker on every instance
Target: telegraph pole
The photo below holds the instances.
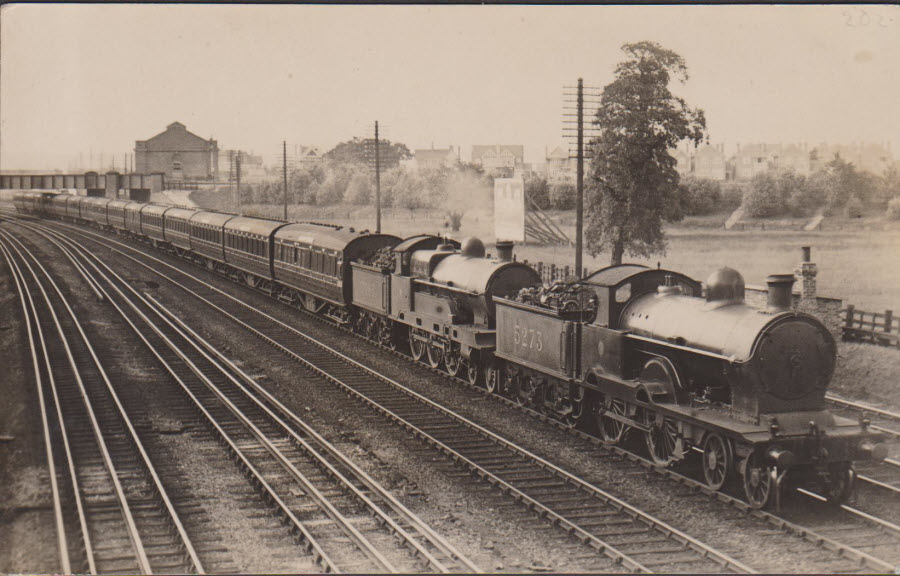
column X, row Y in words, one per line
column 284, row 160
column 377, row 182
column 237, row 173
column 579, row 182
column 580, row 155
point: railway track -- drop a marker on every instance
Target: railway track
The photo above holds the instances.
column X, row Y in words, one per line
column 627, row 536
column 862, row 558
column 882, row 420
column 345, row 519
column 111, row 512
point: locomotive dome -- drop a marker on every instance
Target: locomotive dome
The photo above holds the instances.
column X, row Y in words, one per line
column 725, row 285
column 472, row 247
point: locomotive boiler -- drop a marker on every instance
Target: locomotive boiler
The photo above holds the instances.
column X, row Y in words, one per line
column 691, row 371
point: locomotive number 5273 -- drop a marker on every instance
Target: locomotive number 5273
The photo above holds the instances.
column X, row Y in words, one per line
column 528, row 338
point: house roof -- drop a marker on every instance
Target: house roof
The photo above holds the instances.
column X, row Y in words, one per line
column 175, row 137
column 428, row 154
column 480, row 151
column 559, row 153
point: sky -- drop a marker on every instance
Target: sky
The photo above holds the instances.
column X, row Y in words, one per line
column 86, row 79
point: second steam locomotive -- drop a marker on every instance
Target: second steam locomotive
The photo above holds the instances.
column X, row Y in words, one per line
column 632, row 351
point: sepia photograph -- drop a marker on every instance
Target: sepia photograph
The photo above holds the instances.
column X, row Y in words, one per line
column 449, row 288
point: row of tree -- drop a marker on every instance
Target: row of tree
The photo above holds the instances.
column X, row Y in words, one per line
column 838, row 188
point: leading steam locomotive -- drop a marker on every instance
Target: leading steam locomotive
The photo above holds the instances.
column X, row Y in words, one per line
column 634, row 352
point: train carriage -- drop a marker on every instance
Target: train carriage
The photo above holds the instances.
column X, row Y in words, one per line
column 248, row 245
column 95, row 210
column 177, row 227
column 206, row 234
column 316, row 259
column 73, row 207
column 133, row 217
column 153, row 220
column 57, row 205
column 115, row 214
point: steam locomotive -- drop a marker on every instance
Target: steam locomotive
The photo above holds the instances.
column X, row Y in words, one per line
column 633, row 351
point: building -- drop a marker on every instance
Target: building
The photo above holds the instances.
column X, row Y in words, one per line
column 794, row 157
column 750, row 160
column 178, row 154
column 308, row 155
column 431, row 159
column 709, row 162
column 499, row 160
column 559, row 166
column 869, row 156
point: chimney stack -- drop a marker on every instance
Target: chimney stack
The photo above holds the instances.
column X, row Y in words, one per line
column 505, row 250
column 807, row 271
column 779, row 297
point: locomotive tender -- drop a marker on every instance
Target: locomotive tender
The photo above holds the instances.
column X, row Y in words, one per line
column 651, row 355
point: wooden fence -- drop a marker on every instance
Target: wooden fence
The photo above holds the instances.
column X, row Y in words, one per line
column 876, row 327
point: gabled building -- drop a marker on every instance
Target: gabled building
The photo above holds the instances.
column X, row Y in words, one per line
column 709, row 162
column 177, row 153
column 431, row 159
column 559, row 166
column 499, row 160
column 307, row 155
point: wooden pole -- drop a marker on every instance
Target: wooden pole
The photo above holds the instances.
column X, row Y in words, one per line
column 284, row 160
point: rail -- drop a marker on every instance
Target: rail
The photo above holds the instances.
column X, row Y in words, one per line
column 180, row 339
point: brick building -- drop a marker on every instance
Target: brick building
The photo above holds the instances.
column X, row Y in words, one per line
column 178, row 154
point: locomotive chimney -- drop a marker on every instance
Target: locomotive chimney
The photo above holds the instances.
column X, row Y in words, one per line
column 505, row 250
column 780, row 287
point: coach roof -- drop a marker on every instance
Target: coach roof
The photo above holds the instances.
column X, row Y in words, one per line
column 215, row 219
column 318, row 235
column 250, row 225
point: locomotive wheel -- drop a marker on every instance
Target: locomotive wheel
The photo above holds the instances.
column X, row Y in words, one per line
column 758, row 483
column 718, row 460
column 611, row 430
column 492, row 379
column 453, row 362
column 662, row 438
column 416, row 346
column 473, row 371
column 435, row 354
column 839, row 483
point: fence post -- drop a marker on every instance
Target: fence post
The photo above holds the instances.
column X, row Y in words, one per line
column 848, row 321
column 888, row 320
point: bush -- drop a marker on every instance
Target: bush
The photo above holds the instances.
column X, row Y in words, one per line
column 732, row 196
column 893, row 208
column 854, row 208
column 699, row 196
column 360, row 190
column 539, row 191
column 562, row 196
column 762, row 198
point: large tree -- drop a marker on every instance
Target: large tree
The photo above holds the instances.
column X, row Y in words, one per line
column 633, row 177
column 359, row 151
